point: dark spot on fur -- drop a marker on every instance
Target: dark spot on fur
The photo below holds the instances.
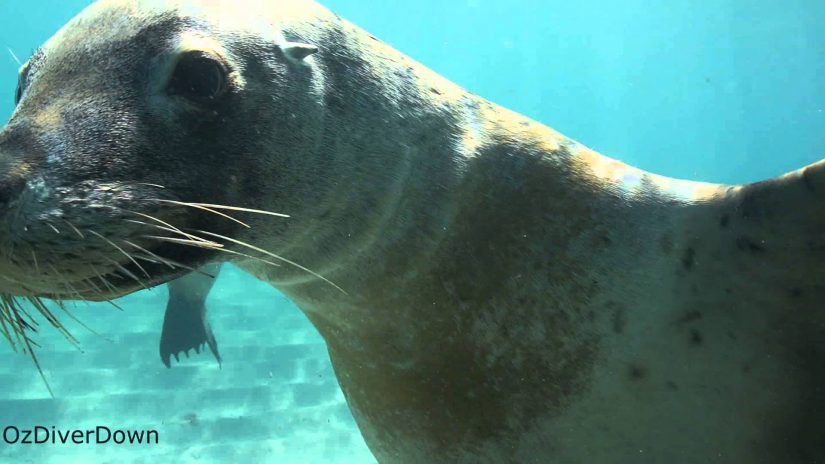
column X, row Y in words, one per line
column 747, row 244
column 746, row 369
column 619, row 320
column 671, row 385
column 591, row 316
column 637, row 372
column 731, row 335
column 434, row 90
column 728, row 291
column 724, row 221
column 696, row 338
column 690, row 316
column 795, row 292
column 606, row 241
column 689, row 258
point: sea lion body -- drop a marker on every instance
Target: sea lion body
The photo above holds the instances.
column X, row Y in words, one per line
column 489, row 290
column 185, row 325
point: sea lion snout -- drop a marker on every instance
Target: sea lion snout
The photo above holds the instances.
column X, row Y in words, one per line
column 93, row 203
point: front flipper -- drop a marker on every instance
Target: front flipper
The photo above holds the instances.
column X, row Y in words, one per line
column 185, row 326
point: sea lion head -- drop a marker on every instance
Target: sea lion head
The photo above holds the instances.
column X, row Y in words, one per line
column 127, row 122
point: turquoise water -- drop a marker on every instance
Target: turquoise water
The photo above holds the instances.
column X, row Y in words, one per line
column 731, row 91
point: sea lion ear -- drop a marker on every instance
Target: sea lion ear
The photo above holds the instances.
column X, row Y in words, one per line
column 299, row 51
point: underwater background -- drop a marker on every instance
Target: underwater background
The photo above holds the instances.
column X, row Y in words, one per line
column 722, row 90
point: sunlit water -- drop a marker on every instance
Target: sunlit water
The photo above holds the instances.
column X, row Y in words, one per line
column 725, row 91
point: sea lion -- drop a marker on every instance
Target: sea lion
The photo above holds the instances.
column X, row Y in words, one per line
column 185, row 325
column 489, row 290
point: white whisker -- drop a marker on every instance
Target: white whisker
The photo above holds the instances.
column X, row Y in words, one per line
column 273, row 255
column 14, row 57
column 180, row 241
column 77, row 231
column 122, row 251
column 168, row 227
column 150, row 185
column 163, row 260
column 214, row 206
column 205, row 208
column 125, row 271
column 36, row 266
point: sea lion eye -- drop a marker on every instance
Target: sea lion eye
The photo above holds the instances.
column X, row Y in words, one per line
column 18, row 94
column 199, row 77
column 21, row 84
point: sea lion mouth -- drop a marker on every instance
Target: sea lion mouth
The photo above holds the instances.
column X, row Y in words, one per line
column 113, row 252
column 25, row 284
column 131, row 272
column 17, row 323
column 98, row 242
